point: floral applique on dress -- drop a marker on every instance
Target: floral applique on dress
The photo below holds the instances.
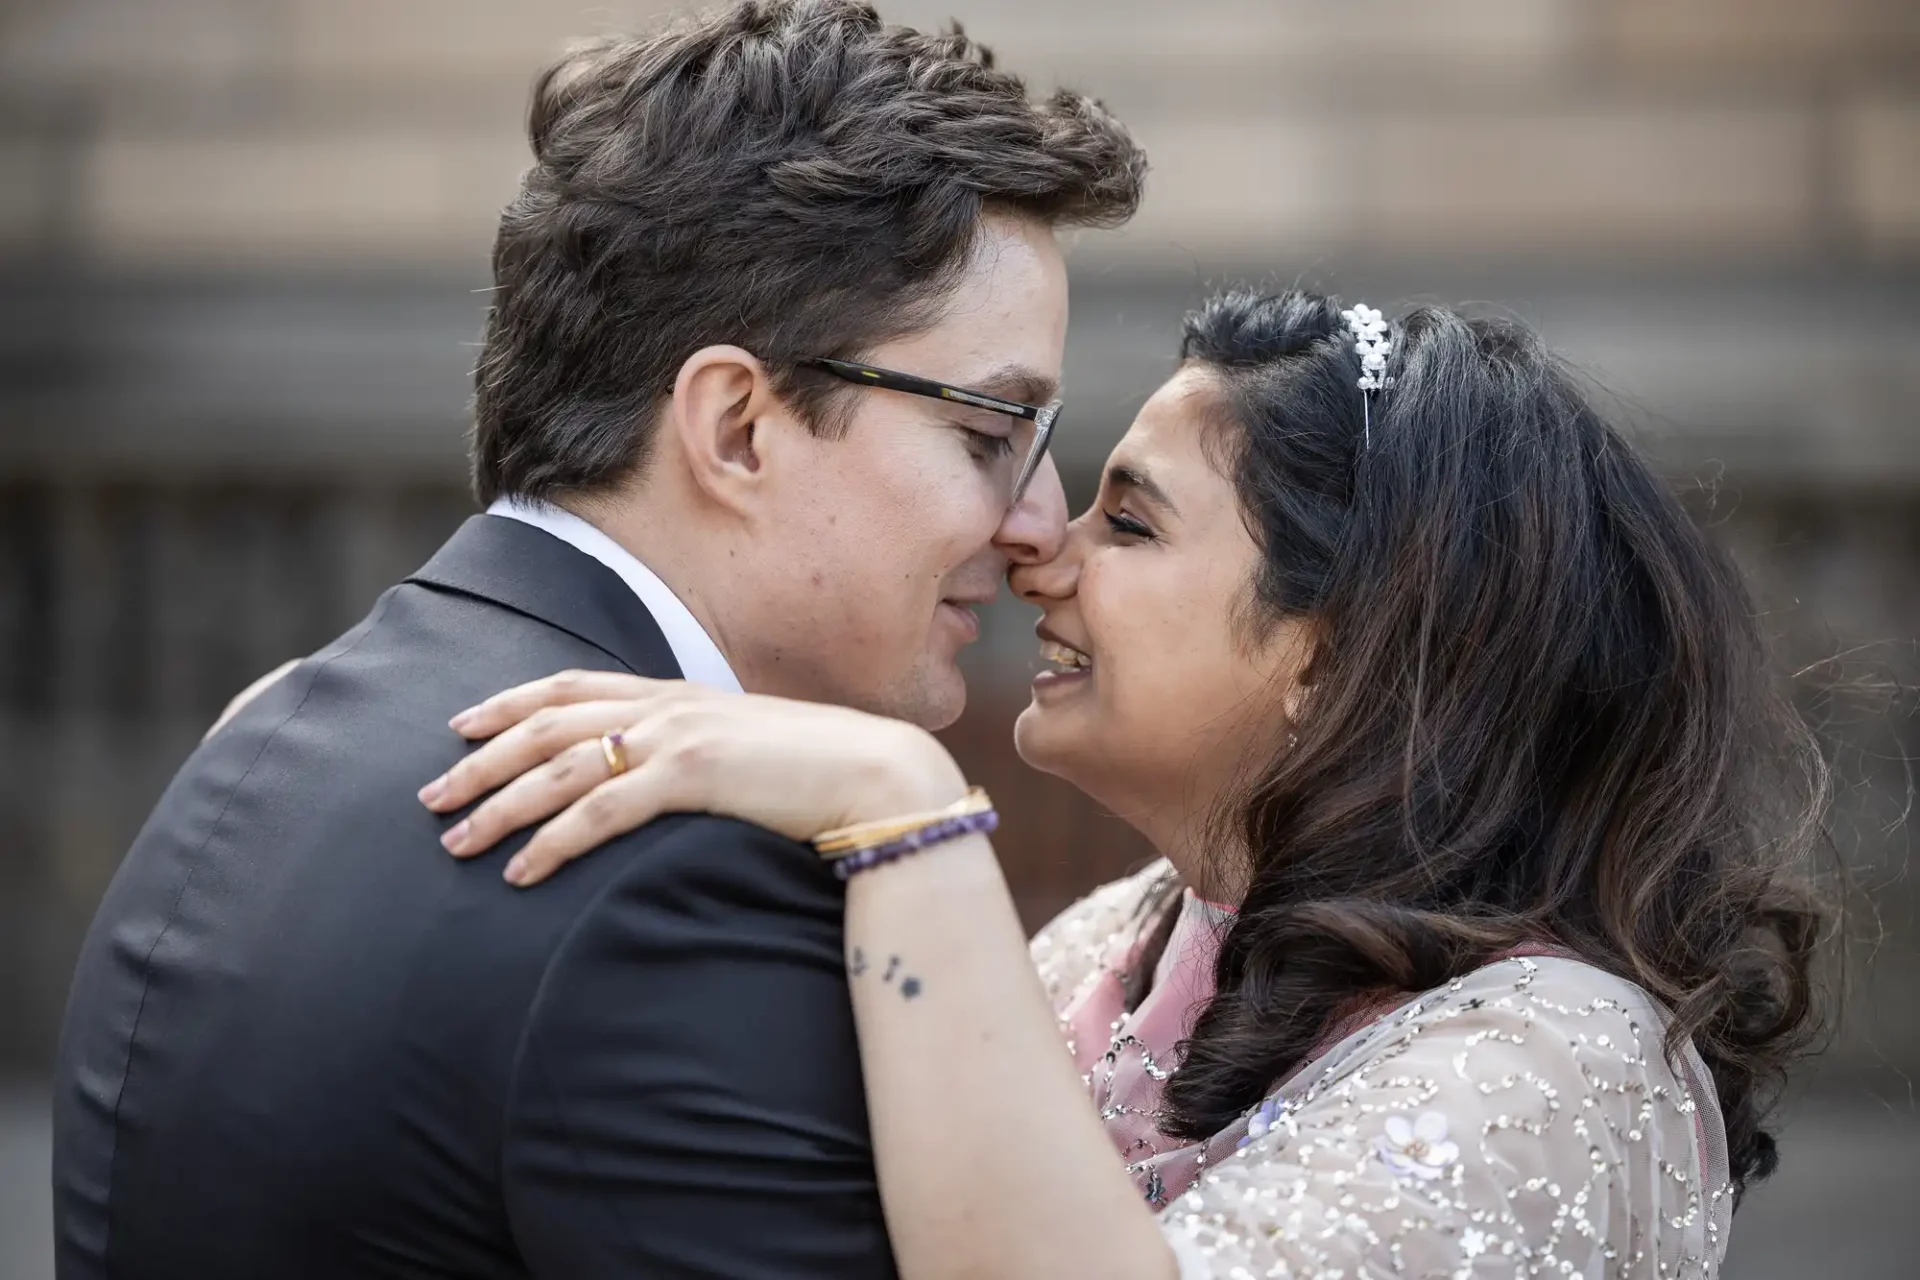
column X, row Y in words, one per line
column 1417, row 1148
column 1264, row 1117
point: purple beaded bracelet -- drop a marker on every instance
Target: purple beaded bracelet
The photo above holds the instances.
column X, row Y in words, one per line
column 933, row 833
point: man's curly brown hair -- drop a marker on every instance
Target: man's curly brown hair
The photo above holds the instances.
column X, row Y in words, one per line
column 792, row 176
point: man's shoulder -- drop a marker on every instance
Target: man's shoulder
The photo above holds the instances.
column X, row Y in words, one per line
column 692, row 872
column 372, row 707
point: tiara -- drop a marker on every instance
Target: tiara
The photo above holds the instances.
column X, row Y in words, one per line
column 1373, row 346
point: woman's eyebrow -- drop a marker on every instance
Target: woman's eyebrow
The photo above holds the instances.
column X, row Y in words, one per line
column 1123, row 475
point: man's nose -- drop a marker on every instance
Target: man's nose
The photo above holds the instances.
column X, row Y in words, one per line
column 1036, row 526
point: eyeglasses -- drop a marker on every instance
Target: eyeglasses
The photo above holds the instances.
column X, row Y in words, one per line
column 1042, row 416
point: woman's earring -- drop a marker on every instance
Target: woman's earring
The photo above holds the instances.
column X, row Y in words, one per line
column 1293, row 739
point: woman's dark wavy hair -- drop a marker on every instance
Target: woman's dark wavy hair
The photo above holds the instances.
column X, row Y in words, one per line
column 1539, row 709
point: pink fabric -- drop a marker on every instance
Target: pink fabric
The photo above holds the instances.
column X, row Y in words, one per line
column 1127, row 1057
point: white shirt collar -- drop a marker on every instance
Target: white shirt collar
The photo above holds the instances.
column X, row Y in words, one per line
column 699, row 657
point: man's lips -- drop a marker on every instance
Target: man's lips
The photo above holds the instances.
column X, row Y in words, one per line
column 962, row 612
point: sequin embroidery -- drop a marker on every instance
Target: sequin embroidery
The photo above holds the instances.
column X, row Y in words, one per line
column 1523, row 1120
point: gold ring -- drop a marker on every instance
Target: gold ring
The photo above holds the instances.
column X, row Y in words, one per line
column 614, row 748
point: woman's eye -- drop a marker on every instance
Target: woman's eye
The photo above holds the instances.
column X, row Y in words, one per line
column 1125, row 525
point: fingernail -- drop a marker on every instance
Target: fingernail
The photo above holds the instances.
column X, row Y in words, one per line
column 516, row 872
column 460, row 722
column 433, row 790
column 455, row 839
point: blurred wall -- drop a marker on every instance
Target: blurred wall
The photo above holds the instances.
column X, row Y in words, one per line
column 243, row 259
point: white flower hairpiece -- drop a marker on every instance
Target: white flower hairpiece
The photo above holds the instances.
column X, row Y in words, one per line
column 1373, row 346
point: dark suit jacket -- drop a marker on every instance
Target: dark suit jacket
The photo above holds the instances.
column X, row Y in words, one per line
column 303, row 1041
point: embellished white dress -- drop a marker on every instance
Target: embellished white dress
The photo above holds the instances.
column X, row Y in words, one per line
column 1520, row 1121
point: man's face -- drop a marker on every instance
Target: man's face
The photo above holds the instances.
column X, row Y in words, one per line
column 892, row 534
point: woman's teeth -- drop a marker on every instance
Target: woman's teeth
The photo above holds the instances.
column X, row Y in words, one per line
column 1063, row 656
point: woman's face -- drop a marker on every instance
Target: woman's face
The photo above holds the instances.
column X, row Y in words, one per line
column 1164, row 689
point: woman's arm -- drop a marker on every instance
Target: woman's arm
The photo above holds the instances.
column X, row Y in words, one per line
column 991, row 1160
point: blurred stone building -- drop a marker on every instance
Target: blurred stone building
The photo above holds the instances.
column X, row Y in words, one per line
column 242, row 268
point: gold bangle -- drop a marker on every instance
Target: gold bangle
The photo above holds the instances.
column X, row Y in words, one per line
column 842, row 841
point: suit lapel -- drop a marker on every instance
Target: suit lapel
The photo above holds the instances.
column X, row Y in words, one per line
column 519, row 567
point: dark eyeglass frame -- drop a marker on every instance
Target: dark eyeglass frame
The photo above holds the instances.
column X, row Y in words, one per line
column 1043, row 416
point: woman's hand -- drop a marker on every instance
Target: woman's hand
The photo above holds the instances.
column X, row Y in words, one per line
column 799, row 768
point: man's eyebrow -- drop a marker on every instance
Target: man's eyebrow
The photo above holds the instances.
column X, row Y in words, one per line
column 1016, row 382
column 1124, row 476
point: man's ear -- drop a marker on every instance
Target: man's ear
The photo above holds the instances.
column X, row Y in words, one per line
column 721, row 400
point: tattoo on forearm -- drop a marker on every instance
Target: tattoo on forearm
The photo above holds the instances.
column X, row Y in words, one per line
column 910, row 987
